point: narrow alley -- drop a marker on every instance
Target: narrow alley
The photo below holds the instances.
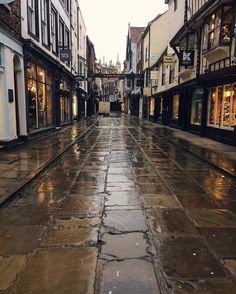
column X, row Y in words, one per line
column 123, row 210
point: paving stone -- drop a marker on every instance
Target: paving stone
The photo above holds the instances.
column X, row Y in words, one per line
column 221, row 240
column 130, row 245
column 26, row 215
column 198, row 201
column 188, row 258
column 132, row 276
column 126, row 220
column 74, row 205
column 230, row 264
column 74, row 222
column 126, row 198
column 170, row 221
column 19, row 240
column 10, row 266
column 59, row 270
column 161, row 201
column 148, row 189
column 70, row 236
column 38, row 198
column 213, row 218
column 206, row 286
column 125, row 186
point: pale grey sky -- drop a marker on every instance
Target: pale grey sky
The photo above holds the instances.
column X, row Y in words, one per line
column 107, row 22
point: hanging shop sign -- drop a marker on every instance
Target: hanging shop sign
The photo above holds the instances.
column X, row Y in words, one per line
column 65, row 55
column 186, row 57
column 169, row 60
column 154, row 75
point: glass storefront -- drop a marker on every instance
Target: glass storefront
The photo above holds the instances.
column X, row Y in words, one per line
column 65, row 102
column 175, row 109
column 39, row 84
column 222, row 106
column 196, row 108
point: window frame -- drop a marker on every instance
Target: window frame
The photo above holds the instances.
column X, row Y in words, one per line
column 55, row 33
column 35, row 17
column 45, row 23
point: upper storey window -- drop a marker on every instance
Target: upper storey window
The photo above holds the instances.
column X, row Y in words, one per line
column 33, row 26
column 217, row 30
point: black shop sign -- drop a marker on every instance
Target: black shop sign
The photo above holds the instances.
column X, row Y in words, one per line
column 186, row 57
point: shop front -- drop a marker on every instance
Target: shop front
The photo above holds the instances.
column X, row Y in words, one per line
column 39, row 97
column 221, row 112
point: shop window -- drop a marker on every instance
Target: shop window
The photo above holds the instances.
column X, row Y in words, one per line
column 222, row 106
column 152, row 106
column 65, row 102
column 33, row 17
column 39, row 83
column 175, row 109
column 196, row 108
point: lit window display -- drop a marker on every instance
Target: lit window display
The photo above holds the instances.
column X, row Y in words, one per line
column 222, row 106
column 39, row 83
column 196, row 108
column 175, row 111
column 65, row 102
column 152, row 106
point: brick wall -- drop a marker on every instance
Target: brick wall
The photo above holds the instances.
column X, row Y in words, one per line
column 10, row 20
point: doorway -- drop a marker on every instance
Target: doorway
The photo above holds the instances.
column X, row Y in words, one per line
column 17, row 72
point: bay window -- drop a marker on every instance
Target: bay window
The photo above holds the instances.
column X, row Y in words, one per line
column 217, row 30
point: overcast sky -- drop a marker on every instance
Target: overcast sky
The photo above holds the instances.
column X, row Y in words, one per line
column 107, row 23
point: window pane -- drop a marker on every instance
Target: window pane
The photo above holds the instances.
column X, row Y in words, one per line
column 49, row 104
column 226, row 105
column 31, row 71
column 175, row 112
column 32, row 101
column 41, row 106
column 212, row 106
column 233, row 114
column 40, row 74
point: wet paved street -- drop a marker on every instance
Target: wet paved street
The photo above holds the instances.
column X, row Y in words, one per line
column 123, row 211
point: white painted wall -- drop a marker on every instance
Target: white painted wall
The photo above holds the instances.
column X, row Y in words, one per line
column 8, row 131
